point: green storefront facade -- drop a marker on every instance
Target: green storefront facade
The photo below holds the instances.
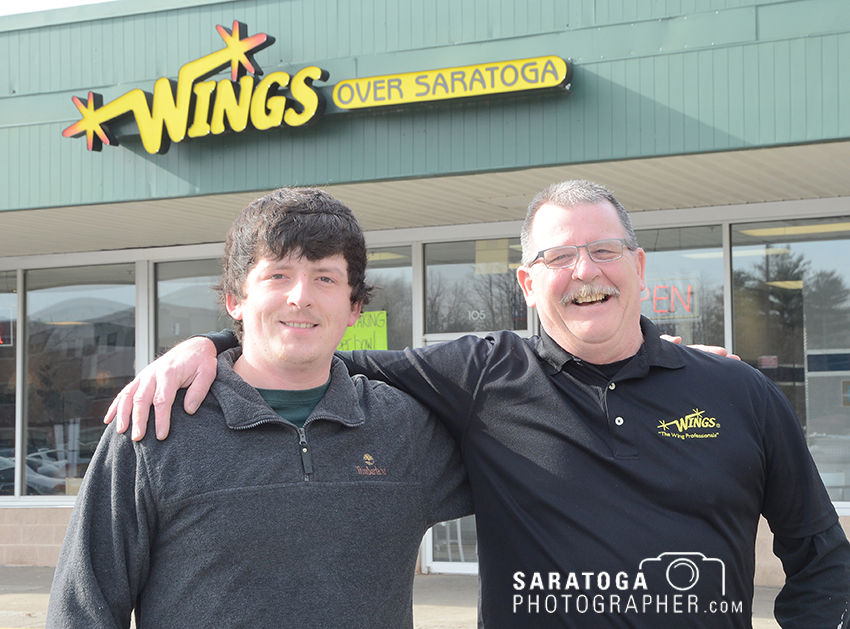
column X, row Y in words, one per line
column 722, row 125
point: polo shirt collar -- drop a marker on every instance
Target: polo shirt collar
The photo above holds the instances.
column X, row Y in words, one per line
column 654, row 352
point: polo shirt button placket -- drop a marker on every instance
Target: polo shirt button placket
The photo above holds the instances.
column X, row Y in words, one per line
column 619, row 421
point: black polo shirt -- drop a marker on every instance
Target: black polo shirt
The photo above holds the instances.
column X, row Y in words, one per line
column 629, row 499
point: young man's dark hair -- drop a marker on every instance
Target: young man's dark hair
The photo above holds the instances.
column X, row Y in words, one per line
column 302, row 221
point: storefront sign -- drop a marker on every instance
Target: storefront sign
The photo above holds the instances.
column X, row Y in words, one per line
column 234, row 102
column 449, row 83
column 202, row 107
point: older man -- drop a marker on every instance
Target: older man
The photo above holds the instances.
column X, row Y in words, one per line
column 618, row 480
column 298, row 495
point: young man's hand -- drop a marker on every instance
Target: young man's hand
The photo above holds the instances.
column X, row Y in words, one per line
column 711, row 349
column 191, row 364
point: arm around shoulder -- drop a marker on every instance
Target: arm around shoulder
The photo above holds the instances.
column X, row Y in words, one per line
column 443, row 377
column 190, row 364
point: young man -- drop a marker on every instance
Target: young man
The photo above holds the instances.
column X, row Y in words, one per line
column 297, row 496
column 618, row 479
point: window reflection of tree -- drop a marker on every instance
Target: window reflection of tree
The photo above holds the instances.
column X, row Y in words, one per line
column 710, row 324
column 478, row 302
column 497, row 294
column 446, row 305
column 784, row 309
column 393, row 296
column 769, row 319
column 827, row 302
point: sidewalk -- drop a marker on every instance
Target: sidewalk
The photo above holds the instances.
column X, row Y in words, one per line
column 440, row 601
column 23, row 596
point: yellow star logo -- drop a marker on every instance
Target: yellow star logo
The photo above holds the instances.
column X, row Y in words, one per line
column 239, row 46
column 96, row 134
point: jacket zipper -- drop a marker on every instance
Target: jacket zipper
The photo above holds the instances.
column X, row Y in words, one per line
column 306, row 460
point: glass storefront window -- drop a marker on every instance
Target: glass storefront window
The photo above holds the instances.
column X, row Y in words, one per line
column 791, row 309
column 81, row 326
column 186, row 304
column 8, row 309
column 684, row 282
column 390, row 271
column 471, row 286
column 455, row 541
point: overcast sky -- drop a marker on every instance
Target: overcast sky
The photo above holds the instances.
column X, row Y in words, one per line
column 8, row 7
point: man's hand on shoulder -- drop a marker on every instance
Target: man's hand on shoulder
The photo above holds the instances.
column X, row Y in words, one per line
column 191, row 364
column 711, row 349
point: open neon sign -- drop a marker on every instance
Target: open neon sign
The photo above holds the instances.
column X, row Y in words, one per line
column 671, row 298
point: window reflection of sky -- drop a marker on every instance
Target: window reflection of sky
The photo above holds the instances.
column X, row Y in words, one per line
column 706, row 264
column 821, row 255
column 170, row 287
column 80, row 293
column 385, row 275
column 86, row 300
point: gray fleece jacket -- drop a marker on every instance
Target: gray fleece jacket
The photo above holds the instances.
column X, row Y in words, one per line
column 240, row 519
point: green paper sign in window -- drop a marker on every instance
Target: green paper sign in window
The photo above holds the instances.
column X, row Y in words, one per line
column 370, row 332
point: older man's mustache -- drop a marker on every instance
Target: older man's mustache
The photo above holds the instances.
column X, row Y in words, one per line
column 587, row 293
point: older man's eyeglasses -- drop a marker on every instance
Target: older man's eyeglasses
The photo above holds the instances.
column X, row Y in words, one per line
column 565, row 257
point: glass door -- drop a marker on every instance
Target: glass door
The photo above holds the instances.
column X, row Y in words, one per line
column 791, row 306
column 470, row 288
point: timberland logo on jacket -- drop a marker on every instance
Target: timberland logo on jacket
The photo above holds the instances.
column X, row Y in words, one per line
column 369, row 469
column 692, row 426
